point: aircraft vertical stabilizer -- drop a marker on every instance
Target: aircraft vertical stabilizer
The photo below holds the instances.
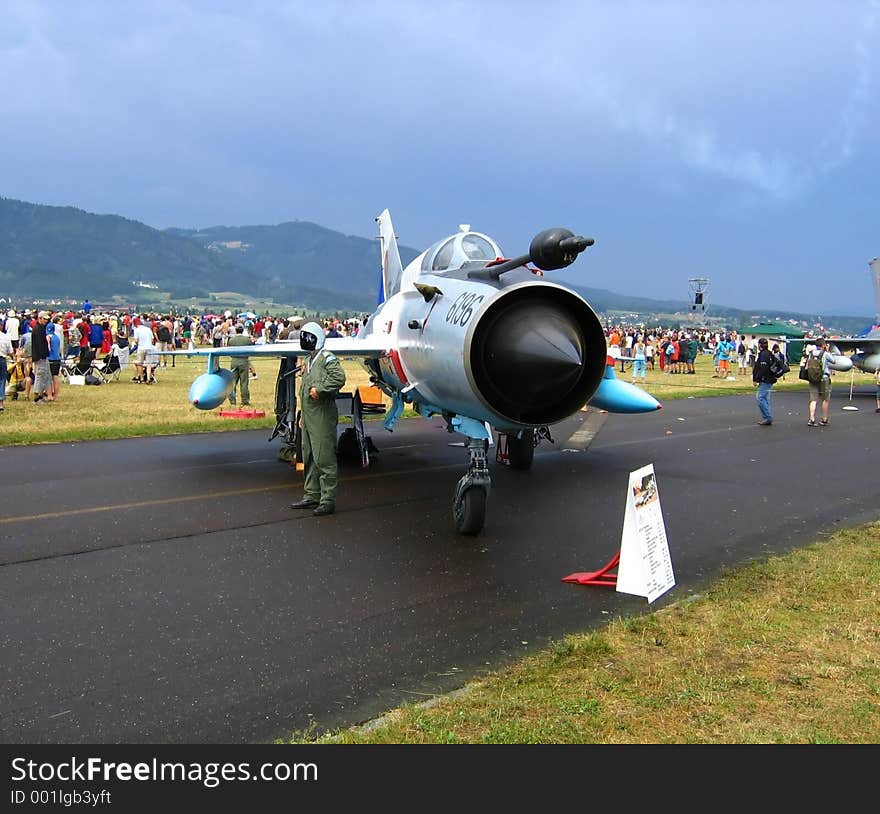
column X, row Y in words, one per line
column 875, row 276
column 392, row 268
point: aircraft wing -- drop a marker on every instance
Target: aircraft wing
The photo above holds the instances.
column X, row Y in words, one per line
column 344, row 346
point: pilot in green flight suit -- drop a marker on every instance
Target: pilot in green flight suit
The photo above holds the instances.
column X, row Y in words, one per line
column 239, row 366
column 321, row 383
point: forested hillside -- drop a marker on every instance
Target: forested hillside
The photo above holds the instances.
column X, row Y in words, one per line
column 300, row 252
column 51, row 251
column 61, row 252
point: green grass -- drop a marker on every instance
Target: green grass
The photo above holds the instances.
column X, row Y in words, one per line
column 124, row 409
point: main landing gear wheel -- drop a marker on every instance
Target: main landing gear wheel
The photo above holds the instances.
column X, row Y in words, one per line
column 469, row 511
column 521, row 451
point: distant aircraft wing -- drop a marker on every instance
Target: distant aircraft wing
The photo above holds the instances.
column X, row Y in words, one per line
column 853, row 342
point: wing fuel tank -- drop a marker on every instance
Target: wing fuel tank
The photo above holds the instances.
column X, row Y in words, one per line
column 211, row 389
column 616, row 396
column 842, row 363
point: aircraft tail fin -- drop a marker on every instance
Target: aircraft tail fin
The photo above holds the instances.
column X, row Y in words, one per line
column 392, row 268
column 875, row 276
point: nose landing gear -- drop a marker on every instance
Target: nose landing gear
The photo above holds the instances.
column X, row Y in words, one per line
column 469, row 502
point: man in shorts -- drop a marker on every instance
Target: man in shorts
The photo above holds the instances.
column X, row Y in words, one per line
column 145, row 360
column 820, row 391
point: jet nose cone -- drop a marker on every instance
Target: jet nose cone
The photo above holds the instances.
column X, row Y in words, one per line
column 548, row 344
column 538, row 354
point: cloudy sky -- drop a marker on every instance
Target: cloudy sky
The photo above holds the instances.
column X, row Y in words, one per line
column 737, row 141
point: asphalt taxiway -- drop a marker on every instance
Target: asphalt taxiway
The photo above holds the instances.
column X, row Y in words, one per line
column 161, row 590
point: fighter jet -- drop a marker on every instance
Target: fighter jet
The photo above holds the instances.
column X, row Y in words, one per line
column 865, row 347
column 488, row 344
column 866, row 350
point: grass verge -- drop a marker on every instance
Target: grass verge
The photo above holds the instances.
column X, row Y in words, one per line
column 124, row 409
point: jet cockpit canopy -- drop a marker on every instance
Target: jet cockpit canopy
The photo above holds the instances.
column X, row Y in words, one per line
column 453, row 252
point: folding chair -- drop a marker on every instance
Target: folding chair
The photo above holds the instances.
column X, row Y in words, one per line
column 109, row 368
column 99, row 368
column 123, row 355
column 152, row 361
column 74, row 366
column 112, row 368
column 66, row 369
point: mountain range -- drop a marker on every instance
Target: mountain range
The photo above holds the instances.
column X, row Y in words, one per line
column 62, row 251
column 59, row 252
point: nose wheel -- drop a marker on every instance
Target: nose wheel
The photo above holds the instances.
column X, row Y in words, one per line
column 472, row 491
column 469, row 511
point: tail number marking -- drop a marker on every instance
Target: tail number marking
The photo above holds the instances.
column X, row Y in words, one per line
column 463, row 308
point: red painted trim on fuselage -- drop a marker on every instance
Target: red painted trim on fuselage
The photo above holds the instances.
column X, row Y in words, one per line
column 398, row 367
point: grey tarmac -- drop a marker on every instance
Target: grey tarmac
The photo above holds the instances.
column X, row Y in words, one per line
column 161, row 590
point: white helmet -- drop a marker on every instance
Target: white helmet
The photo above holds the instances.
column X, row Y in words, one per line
column 311, row 329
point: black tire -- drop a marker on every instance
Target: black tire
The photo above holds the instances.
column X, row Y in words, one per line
column 347, row 449
column 470, row 512
column 521, row 451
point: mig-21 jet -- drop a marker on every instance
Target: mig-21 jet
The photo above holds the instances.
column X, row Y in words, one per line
column 488, row 344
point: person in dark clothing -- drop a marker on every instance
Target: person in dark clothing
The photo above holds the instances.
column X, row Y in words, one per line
column 239, row 366
column 40, row 357
column 96, row 338
column 764, row 380
column 85, row 355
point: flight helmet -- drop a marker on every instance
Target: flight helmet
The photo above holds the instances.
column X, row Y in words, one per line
column 311, row 336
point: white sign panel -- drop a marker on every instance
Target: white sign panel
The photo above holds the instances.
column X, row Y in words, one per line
column 645, row 566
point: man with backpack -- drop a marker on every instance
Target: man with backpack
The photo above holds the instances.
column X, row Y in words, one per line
column 763, row 379
column 818, row 365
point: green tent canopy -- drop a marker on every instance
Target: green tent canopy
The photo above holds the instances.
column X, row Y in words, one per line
column 780, row 331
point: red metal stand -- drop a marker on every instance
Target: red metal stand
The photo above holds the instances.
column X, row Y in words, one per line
column 501, row 455
column 600, row 577
column 242, row 413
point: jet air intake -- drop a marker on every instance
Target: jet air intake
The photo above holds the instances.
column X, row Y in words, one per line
column 537, row 354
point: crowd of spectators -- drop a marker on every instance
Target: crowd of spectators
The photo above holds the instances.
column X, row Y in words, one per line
column 676, row 350
column 118, row 338
column 115, row 338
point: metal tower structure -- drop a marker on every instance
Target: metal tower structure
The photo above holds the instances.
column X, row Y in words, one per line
column 699, row 288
